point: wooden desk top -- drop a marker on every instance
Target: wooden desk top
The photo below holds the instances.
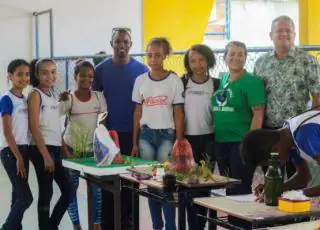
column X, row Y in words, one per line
column 221, row 181
column 216, row 181
column 249, row 211
column 311, row 225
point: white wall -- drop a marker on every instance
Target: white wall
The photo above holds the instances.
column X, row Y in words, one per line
column 251, row 21
column 80, row 27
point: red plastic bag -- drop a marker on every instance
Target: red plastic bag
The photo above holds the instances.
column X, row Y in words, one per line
column 182, row 156
column 114, row 136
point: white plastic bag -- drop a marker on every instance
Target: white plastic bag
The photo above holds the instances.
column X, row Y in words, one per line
column 104, row 148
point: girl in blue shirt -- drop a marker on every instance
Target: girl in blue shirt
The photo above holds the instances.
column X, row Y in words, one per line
column 14, row 141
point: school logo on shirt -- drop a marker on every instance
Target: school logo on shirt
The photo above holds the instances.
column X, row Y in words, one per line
column 158, row 100
column 23, row 110
column 222, row 96
column 49, row 107
column 19, row 108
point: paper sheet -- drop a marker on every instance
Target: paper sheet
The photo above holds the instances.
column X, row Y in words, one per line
column 243, row 198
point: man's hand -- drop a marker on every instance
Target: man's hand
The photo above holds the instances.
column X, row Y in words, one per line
column 258, row 190
column 259, row 193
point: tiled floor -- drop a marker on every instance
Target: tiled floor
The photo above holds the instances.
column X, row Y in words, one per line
column 30, row 218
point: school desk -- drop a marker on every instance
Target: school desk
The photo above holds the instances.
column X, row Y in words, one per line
column 107, row 178
column 257, row 215
column 179, row 192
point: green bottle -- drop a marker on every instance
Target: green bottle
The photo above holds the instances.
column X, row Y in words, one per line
column 273, row 181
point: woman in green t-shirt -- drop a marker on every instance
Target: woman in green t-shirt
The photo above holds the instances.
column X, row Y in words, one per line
column 238, row 107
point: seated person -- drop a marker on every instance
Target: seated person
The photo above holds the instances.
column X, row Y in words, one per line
column 301, row 132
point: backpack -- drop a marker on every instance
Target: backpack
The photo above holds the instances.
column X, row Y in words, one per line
column 70, row 109
column 215, row 82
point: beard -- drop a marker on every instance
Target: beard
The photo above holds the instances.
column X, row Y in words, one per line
column 122, row 54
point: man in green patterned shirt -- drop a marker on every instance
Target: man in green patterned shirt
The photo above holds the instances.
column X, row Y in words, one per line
column 290, row 76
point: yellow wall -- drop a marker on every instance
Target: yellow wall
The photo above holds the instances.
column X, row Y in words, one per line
column 309, row 14
column 183, row 22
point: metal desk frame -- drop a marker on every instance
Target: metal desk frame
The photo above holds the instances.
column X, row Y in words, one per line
column 110, row 183
column 180, row 203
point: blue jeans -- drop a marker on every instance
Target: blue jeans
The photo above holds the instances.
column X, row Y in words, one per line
column 21, row 193
column 96, row 198
column 156, row 144
column 230, row 164
column 45, row 180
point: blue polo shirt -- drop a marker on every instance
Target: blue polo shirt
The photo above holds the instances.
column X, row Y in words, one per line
column 116, row 82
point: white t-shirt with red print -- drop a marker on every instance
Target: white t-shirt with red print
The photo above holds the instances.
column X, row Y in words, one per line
column 157, row 98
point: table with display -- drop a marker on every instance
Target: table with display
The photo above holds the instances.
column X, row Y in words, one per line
column 107, row 178
column 160, row 193
column 257, row 215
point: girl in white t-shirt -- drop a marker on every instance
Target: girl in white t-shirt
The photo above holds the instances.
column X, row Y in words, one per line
column 14, row 141
column 45, row 150
column 82, row 109
column 199, row 87
column 158, row 118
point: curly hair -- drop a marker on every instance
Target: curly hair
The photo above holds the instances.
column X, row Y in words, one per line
column 205, row 51
column 163, row 42
column 257, row 145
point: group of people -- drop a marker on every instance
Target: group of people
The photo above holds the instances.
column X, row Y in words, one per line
column 151, row 108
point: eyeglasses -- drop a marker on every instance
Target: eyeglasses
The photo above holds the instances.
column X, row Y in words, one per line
column 121, row 29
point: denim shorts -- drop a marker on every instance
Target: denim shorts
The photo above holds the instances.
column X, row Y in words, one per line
column 155, row 144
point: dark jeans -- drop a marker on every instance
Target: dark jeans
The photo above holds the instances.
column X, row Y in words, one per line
column 45, row 179
column 125, row 140
column 231, row 165
column 21, row 194
column 194, row 222
column 201, row 145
